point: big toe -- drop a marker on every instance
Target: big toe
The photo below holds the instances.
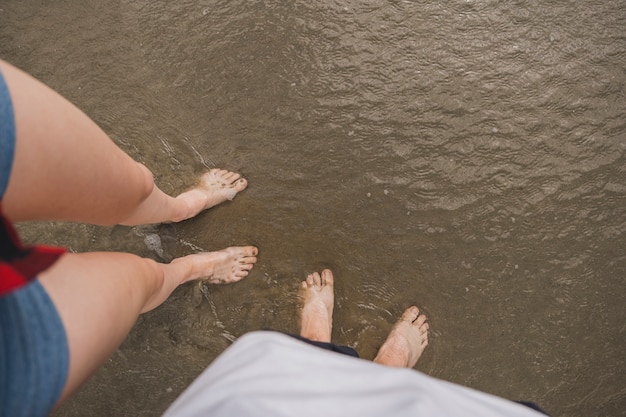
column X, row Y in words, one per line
column 327, row 277
column 249, row 251
column 420, row 321
column 240, row 184
column 410, row 314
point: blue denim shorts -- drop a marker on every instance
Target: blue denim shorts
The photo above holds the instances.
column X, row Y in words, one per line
column 34, row 355
column 7, row 136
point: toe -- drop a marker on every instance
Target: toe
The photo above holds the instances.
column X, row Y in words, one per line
column 248, row 260
column 247, row 251
column 317, row 280
column 419, row 321
column 310, row 281
column 410, row 314
column 216, row 174
column 246, row 267
column 231, row 177
column 240, row 184
column 327, row 277
column 242, row 273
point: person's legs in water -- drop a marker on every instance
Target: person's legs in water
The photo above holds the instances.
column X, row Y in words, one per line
column 404, row 345
column 66, row 168
column 317, row 294
column 402, row 348
column 99, row 296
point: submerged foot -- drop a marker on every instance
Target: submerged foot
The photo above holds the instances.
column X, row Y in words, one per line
column 406, row 341
column 317, row 310
column 216, row 186
column 221, row 185
column 224, row 266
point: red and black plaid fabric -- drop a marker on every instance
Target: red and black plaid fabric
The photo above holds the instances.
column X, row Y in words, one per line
column 18, row 263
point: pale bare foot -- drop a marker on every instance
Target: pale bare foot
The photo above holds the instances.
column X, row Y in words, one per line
column 220, row 267
column 221, row 185
column 317, row 310
column 216, row 186
column 406, row 341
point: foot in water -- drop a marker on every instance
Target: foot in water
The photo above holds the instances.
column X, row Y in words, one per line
column 216, row 186
column 318, row 297
column 406, row 341
column 221, row 185
column 221, row 267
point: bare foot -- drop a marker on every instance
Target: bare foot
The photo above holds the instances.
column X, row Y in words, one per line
column 406, row 341
column 221, row 267
column 317, row 311
column 221, row 185
column 216, row 186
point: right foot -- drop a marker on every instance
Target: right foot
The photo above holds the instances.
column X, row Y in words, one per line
column 406, row 341
column 317, row 310
column 222, row 267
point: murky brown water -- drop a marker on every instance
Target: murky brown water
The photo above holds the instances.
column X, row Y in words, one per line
column 466, row 156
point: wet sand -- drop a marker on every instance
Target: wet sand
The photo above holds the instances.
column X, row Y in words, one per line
column 467, row 158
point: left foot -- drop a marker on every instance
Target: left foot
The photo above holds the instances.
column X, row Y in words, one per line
column 220, row 185
column 222, row 267
column 216, row 186
column 317, row 310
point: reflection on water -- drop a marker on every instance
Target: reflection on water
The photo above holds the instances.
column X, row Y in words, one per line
column 467, row 156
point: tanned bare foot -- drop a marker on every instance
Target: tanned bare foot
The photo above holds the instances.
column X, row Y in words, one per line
column 406, row 341
column 317, row 311
column 216, row 186
column 221, row 267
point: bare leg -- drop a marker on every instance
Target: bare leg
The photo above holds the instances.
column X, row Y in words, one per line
column 66, row 168
column 406, row 342
column 317, row 310
column 216, row 186
column 99, row 296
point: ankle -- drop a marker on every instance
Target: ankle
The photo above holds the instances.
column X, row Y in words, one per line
column 187, row 268
column 316, row 331
column 394, row 359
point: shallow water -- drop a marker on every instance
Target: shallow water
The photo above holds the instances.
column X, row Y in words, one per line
column 467, row 157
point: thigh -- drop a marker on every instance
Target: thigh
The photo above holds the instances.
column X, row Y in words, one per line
column 64, row 166
column 99, row 297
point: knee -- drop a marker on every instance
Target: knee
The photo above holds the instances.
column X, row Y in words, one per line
column 140, row 190
column 154, row 270
column 146, row 185
column 156, row 289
